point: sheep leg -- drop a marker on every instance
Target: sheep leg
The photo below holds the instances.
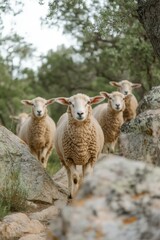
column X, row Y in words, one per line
column 87, row 169
column 105, row 148
column 112, row 146
column 34, row 153
column 47, row 156
column 73, row 180
column 44, row 156
column 109, row 147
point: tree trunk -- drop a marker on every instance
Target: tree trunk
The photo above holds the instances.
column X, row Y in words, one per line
column 149, row 16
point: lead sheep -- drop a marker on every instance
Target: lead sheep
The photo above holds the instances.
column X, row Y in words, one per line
column 38, row 131
column 20, row 119
column 126, row 88
column 79, row 138
column 110, row 117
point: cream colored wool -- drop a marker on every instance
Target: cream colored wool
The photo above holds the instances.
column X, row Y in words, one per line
column 39, row 135
column 20, row 119
column 110, row 122
column 131, row 102
column 131, row 107
column 78, row 143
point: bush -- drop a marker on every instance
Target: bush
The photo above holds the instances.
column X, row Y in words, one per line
column 13, row 195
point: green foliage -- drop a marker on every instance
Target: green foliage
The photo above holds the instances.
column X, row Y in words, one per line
column 111, row 46
column 110, row 38
column 13, row 194
column 53, row 164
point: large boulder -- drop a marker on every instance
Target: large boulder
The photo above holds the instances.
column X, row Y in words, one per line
column 120, row 201
column 16, row 159
column 150, row 101
column 140, row 138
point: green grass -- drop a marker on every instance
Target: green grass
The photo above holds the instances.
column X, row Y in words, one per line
column 13, row 195
column 53, row 164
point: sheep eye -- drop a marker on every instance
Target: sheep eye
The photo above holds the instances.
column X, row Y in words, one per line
column 89, row 102
column 70, row 103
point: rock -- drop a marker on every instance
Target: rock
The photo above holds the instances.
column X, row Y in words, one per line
column 15, row 157
column 150, row 101
column 41, row 236
column 120, row 201
column 140, row 138
column 45, row 215
column 16, row 225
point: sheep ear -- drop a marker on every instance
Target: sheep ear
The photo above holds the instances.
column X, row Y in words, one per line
column 50, row 101
column 136, row 85
column 106, row 95
column 96, row 99
column 115, row 84
column 62, row 100
column 27, row 102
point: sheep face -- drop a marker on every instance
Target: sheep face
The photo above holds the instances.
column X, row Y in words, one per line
column 38, row 105
column 79, row 105
column 116, row 100
column 125, row 87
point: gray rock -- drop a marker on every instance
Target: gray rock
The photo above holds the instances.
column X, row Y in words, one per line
column 15, row 157
column 120, row 201
column 150, row 101
column 140, row 138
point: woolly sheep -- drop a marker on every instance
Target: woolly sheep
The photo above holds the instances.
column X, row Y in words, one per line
column 126, row 88
column 38, row 131
column 20, row 119
column 79, row 137
column 110, row 117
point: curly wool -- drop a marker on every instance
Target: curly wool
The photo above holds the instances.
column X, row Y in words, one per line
column 80, row 142
column 110, row 121
column 38, row 134
column 131, row 107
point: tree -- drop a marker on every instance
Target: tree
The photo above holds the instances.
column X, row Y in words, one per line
column 110, row 39
column 62, row 73
column 148, row 13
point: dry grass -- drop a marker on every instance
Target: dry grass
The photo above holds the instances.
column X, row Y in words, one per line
column 13, row 195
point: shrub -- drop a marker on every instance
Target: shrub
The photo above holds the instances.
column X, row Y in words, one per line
column 13, row 194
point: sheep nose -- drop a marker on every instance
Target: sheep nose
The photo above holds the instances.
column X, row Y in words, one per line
column 80, row 114
column 117, row 105
column 39, row 112
column 125, row 92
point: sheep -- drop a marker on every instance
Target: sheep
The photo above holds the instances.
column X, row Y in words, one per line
column 110, row 117
column 38, row 130
column 79, row 138
column 20, row 119
column 126, row 87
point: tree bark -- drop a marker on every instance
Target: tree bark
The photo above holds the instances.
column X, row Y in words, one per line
column 149, row 16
